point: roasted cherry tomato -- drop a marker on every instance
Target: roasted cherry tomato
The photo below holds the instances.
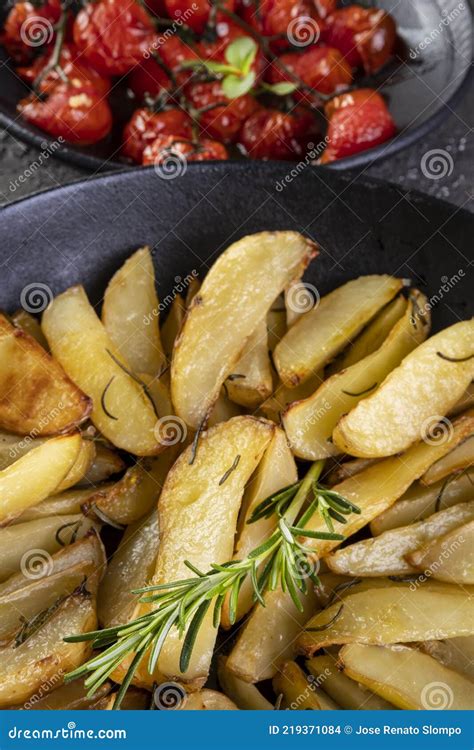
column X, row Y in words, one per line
column 194, row 13
column 222, row 122
column 271, row 134
column 291, row 20
column 145, row 126
column 148, row 78
column 365, row 36
column 225, row 33
column 324, row 7
column 358, row 120
column 28, row 27
column 321, row 68
column 169, row 149
column 113, row 35
column 79, row 115
column 157, row 7
column 74, row 67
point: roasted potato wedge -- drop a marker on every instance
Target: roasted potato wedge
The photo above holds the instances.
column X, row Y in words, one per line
column 347, row 693
column 376, row 488
column 207, row 700
column 300, row 692
column 454, row 653
column 423, row 388
column 318, row 335
column 121, row 410
column 309, row 424
column 70, row 697
column 38, row 474
column 130, row 314
column 65, row 504
column 390, row 553
column 44, row 656
column 30, row 325
column 197, row 516
column 223, row 410
column 269, row 635
column 419, row 502
column 246, row 696
column 21, row 543
column 38, row 398
column 172, row 325
column 398, row 614
column 407, row 678
column 252, row 383
column 276, row 470
column 450, row 557
column 81, row 466
column 349, row 469
column 105, row 464
column 131, row 567
column 282, row 396
column 460, row 458
column 235, row 296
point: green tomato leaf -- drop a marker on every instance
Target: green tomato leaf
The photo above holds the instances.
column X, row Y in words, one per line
column 213, row 67
column 241, row 53
column 280, row 89
column 235, row 86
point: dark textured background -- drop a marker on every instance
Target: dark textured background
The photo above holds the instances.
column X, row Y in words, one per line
column 17, row 179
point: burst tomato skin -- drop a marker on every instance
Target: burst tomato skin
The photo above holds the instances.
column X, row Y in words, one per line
column 76, row 69
column 358, row 120
column 194, row 13
column 365, row 36
column 284, row 18
column 113, row 35
column 145, row 126
column 148, row 78
column 167, row 146
column 222, row 122
column 321, row 68
column 271, row 134
column 79, row 115
column 27, row 27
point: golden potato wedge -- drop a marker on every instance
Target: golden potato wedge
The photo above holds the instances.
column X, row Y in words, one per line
column 38, row 398
column 121, row 410
column 245, row 695
column 235, row 296
column 36, row 475
column 207, row 700
column 320, row 334
column 44, row 656
column 276, row 325
column 131, row 567
column 394, row 615
column 106, row 463
column 12, row 447
column 135, row 494
column 269, row 635
column 335, row 588
column 276, row 470
column 194, row 286
column 375, row 489
column 454, row 653
column 130, row 314
column 252, row 383
column 172, row 325
column 460, row 458
column 422, row 389
column 197, row 517
column 465, row 402
column 450, row 557
column 373, row 335
column 390, row 553
column 30, row 325
column 70, row 697
column 81, row 466
column 282, row 396
column 419, row 502
column 134, row 700
column 407, row 678
column 65, row 504
column 223, row 410
column 309, row 424
column 299, row 692
column 349, row 469
column 347, row 693
column 28, row 544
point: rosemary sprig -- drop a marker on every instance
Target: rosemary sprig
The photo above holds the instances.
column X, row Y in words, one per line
column 282, row 560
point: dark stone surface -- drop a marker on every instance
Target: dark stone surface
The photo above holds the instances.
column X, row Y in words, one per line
column 21, row 174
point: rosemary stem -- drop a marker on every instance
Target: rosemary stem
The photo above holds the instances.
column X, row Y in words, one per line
column 299, row 499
